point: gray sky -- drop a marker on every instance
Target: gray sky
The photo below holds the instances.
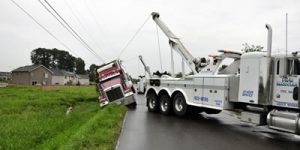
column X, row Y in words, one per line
column 203, row 26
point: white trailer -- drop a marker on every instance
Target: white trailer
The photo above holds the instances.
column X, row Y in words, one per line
column 264, row 86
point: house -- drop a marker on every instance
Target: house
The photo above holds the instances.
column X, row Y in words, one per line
column 71, row 78
column 5, row 76
column 58, row 77
column 32, row 75
column 83, row 79
column 62, row 77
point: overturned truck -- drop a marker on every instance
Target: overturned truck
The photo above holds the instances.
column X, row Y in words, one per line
column 114, row 85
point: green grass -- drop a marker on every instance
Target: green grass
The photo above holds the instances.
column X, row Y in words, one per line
column 35, row 118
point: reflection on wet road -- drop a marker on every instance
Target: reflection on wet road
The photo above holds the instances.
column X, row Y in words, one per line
column 152, row 131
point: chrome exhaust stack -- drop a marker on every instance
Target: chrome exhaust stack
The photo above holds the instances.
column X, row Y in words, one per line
column 269, row 45
column 284, row 121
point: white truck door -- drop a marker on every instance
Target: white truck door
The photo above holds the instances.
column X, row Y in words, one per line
column 285, row 87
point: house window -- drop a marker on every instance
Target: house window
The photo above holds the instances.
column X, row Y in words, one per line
column 46, row 75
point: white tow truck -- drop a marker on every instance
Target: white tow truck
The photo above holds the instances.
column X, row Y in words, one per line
column 142, row 84
column 262, row 85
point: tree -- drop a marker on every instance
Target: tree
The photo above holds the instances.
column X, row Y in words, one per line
column 79, row 65
column 54, row 58
column 41, row 56
column 66, row 61
column 246, row 48
column 92, row 72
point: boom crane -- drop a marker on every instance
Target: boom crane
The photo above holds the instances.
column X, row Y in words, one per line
column 147, row 69
column 142, row 84
column 195, row 64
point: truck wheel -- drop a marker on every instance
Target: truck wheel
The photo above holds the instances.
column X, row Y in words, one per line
column 165, row 104
column 179, row 105
column 152, row 102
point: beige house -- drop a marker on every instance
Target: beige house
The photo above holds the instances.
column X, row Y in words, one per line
column 32, row 75
column 83, row 79
column 62, row 77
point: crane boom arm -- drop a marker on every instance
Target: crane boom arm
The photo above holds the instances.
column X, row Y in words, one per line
column 176, row 44
column 147, row 69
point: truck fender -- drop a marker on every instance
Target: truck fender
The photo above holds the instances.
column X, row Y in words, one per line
column 165, row 90
column 151, row 90
column 175, row 91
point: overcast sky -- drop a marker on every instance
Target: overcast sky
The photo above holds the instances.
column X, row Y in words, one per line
column 204, row 27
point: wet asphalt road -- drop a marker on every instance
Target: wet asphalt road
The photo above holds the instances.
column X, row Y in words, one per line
column 143, row 130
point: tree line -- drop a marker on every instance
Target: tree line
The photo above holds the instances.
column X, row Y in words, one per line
column 60, row 59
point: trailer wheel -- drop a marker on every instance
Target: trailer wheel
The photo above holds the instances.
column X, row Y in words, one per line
column 152, row 102
column 165, row 104
column 179, row 105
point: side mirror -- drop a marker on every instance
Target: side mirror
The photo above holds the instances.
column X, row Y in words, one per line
column 296, row 93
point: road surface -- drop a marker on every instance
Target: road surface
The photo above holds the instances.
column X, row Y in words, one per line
column 143, row 130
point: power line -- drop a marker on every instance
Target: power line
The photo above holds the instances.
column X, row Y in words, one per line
column 98, row 25
column 80, row 39
column 43, row 27
column 135, row 34
column 81, row 24
column 92, row 15
column 130, row 59
column 69, row 28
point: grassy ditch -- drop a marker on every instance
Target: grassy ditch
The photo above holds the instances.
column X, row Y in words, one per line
column 35, row 118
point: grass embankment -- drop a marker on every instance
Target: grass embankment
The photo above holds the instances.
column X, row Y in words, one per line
column 35, row 118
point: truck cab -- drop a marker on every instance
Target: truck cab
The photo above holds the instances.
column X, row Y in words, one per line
column 286, row 80
column 114, row 84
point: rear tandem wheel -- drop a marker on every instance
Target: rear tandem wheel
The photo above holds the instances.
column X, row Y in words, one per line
column 179, row 105
column 152, row 102
column 165, row 104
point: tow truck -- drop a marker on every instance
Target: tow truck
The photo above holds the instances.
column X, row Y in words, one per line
column 264, row 86
column 114, row 85
column 142, row 84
